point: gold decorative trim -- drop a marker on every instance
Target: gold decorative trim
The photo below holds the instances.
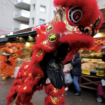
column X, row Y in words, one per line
column 26, row 67
column 40, row 52
column 47, row 46
column 30, row 74
column 54, row 100
column 38, row 76
column 25, row 88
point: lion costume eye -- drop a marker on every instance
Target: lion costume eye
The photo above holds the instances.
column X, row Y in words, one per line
column 89, row 30
column 75, row 14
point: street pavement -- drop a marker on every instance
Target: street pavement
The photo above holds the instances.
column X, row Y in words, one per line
column 88, row 97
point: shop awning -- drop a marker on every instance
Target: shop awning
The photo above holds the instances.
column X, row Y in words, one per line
column 17, row 35
column 3, row 39
column 22, row 34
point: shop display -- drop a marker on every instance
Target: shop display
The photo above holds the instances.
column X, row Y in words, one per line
column 9, row 59
column 91, row 54
column 92, row 60
column 69, row 26
column 90, row 66
column 100, row 67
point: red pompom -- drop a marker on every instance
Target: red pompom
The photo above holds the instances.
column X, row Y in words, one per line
column 78, row 40
column 43, row 28
column 60, row 27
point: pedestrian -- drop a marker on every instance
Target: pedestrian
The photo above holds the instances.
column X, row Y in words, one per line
column 76, row 72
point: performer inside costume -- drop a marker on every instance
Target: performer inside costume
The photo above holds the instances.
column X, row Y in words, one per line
column 72, row 28
column 54, row 62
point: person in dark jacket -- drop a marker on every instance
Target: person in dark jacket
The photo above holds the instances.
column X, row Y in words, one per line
column 76, row 72
column 57, row 57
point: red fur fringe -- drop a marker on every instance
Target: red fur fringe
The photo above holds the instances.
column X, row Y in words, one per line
column 60, row 27
column 49, row 89
column 78, row 40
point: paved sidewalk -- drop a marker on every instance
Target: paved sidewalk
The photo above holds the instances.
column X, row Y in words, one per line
column 87, row 97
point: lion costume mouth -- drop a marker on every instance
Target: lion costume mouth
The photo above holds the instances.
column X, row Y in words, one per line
column 76, row 41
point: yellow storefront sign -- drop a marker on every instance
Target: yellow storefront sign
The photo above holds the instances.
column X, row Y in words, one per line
column 100, row 73
column 86, row 71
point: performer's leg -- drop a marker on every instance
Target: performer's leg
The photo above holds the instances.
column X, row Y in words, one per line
column 55, row 96
column 76, row 84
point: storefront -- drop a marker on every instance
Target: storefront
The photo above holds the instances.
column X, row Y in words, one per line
column 24, row 37
column 93, row 69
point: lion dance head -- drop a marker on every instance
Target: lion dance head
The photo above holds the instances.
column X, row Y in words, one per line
column 9, row 58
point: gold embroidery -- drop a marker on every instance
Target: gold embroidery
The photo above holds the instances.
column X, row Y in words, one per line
column 40, row 52
column 45, row 42
column 38, row 76
column 19, row 86
column 55, row 90
column 26, row 79
column 24, row 73
column 26, row 67
column 25, row 88
column 30, row 74
column 47, row 46
column 54, row 100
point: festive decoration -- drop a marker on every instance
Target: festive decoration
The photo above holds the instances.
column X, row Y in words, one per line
column 75, row 22
column 8, row 59
column 100, row 42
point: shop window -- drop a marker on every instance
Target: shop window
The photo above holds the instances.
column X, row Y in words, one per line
column 41, row 21
column 33, row 7
column 32, row 21
column 104, row 2
column 42, row 8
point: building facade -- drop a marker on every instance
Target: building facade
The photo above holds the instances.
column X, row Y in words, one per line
column 21, row 14
column 14, row 15
column 41, row 11
column 101, row 4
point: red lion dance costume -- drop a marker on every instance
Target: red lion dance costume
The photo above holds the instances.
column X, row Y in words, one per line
column 9, row 59
column 75, row 22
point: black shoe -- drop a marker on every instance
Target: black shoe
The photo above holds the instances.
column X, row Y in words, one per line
column 77, row 94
